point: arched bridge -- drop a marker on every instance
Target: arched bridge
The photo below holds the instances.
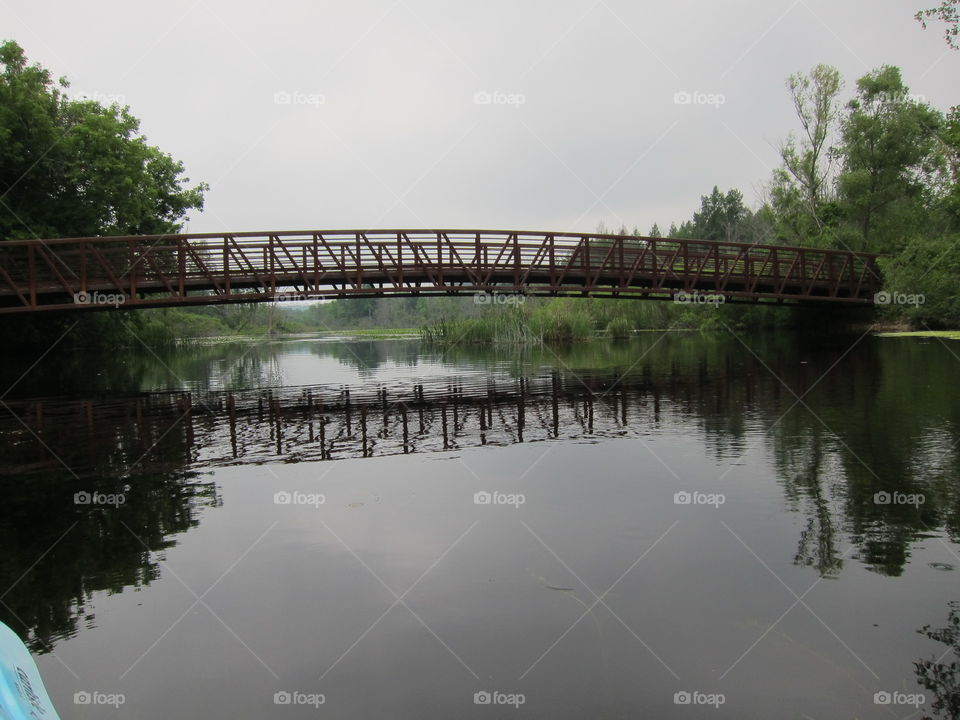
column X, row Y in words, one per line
column 191, row 269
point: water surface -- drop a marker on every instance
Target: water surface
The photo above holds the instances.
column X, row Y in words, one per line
column 762, row 522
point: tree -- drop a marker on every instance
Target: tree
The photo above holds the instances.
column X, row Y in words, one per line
column 950, row 139
column 655, row 231
column 77, row 168
column 807, row 161
column 721, row 216
column 893, row 165
column 928, row 270
column 948, row 11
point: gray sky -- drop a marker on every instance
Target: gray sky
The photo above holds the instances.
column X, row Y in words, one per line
column 357, row 115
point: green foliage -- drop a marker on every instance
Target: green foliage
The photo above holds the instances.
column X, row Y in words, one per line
column 806, row 161
column 897, row 191
column 76, row 168
column 948, row 12
column 943, row 678
column 167, row 326
column 73, row 168
column 620, row 328
column 723, row 216
column 893, row 167
column 928, row 268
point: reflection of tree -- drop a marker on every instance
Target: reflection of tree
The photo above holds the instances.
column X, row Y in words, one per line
column 802, row 473
column 871, row 424
column 943, row 678
column 365, row 355
column 102, row 548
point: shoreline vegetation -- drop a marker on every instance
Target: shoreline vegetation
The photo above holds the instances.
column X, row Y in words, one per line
column 451, row 320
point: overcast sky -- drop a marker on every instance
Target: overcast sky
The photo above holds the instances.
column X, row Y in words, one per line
column 529, row 114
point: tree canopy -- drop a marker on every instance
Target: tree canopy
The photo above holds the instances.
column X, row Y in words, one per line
column 76, row 168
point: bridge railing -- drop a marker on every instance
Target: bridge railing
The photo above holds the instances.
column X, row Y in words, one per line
column 40, row 274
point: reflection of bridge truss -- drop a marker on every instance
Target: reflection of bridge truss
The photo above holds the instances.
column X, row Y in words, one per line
column 173, row 430
column 143, row 271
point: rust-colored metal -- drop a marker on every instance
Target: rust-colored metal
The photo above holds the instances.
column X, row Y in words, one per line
column 193, row 269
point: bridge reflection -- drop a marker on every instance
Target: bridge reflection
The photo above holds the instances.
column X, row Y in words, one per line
column 292, row 424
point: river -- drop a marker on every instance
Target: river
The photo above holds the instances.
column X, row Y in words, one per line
column 671, row 526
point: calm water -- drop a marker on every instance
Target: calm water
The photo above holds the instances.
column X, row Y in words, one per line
column 760, row 527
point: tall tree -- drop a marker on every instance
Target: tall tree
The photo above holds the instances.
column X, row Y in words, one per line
column 77, row 168
column 721, row 216
column 72, row 167
column 807, row 161
column 893, row 164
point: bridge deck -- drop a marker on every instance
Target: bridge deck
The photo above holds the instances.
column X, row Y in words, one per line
column 164, row 270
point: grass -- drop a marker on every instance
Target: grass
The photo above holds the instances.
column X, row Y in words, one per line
column 948, row 334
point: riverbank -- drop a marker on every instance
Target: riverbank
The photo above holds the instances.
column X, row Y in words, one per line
column 945, row 334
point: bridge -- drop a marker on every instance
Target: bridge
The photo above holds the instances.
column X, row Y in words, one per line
column 98, row 273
